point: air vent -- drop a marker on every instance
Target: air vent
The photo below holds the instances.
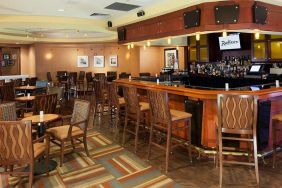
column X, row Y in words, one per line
column 99, row 14
column 122, row 6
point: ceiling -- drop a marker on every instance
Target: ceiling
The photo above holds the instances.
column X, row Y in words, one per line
column 32, row 21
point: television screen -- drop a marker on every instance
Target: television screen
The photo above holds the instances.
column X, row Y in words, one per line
column 255, row 88
column 230, row 42
column 255, row 68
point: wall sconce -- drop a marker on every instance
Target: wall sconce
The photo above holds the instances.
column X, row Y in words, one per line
column 169, row 40
column 177, row 47
column 257, row 35
column 198, row 36
column 132, row 45
column 128, row 46
column 148, row 43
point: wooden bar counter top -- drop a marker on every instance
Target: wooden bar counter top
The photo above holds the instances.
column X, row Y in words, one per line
column 178, row 94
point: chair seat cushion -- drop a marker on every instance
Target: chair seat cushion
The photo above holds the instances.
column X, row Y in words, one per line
column 61, row 132
column 177, row 115
column 121, row 101
column 277, row 117
column 144, row 106
column 39, row 148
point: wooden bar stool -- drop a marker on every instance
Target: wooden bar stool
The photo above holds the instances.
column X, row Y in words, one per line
column 237, row 121
column 164, row 119
column 276, row 127
column 134, row 111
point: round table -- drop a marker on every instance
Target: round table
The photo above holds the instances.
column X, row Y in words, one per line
column 41, row 122
column 25, row 98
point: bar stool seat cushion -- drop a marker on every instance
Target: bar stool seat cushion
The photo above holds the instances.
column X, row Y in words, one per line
column 61, row 132
column 121, row 101
column 177, row 115
column 39, row 148
column 144, row 106
column 277, row 117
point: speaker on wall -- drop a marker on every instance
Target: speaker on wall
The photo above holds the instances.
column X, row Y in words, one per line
column 121, row 34
column 259, row 14
column 228, row 14
column 192, row 18
column 110, row 24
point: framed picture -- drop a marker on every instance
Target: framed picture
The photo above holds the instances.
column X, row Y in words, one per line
column 14, row 56
column 10, row 63
column 6, row 56
column 113, row 61
column 82, row 61
column 3, row 64
column 170, row 57
column 99, row 61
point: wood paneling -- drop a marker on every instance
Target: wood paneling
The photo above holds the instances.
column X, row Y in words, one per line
column 171, row 24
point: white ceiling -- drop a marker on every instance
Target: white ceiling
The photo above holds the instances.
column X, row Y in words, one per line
column 29, row 21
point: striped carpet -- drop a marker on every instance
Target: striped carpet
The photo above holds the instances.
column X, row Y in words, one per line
column 109, row 165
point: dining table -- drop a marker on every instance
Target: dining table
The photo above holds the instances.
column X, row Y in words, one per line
column 42, row 121
column 29, row 89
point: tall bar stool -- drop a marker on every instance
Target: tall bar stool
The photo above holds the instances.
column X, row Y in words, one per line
column 276, row 127
column 134, row 111
column 237, row 121
column 116, row 104
column 99, row 99
column 164, row 119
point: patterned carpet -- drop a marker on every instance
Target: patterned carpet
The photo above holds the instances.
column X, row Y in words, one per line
column 109, row 165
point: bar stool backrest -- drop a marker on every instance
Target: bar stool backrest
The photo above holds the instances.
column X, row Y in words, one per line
column 99, row 90
column 131, row 100
column 81, row 75
column 237, row 114
column 159, row 108
column 89, row 77
column 112, row 94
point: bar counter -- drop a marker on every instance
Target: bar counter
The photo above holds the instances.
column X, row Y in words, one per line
column 179, row 93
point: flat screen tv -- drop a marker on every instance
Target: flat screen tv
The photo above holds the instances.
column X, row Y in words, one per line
column 230, row 42
column 255, row 68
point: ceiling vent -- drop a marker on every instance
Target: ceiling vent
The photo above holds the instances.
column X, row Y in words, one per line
column 122, row 6
column 99, row 14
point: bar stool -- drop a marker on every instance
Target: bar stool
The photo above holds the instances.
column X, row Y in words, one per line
column 99, row 98
column 164, row 119
column 237, row 121
column 116, row 104
column 276, row 126
column 134, row 111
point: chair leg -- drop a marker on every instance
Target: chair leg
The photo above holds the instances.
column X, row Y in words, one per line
column 274, row 143
column 30, row 179
column 85, row 146
column 124, row 130
column 189, row 138
column 62, row 153
column 136, row 136
column 256, row 159
column 220, row 160
column 168, row 140
column 150, row 141
column 72, row 144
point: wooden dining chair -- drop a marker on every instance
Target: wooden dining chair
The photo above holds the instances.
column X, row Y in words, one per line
column 276, row 130
column 60, row 98
column 7, row 92
column 237, row 121
column 45, row 103
column 165, row 120
column 75, row 130
column 18, row 148
column 135, row 111
column 99, row 98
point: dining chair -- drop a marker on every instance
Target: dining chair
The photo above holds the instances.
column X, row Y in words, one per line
column 237, row 122
column 7, row 92
column 23, row 151
column 75, row 130
column 99, row 98
column 60, row 98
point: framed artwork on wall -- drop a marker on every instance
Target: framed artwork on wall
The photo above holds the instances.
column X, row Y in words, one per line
column 113, row 61
column 170, row 57
column 99, row 61
column 82, row 61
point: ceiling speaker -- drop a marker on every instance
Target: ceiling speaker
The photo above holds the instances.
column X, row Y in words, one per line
column 259, row 14
column 110, row 24
column 228, row 14
column 192, row 18
column 140, row 13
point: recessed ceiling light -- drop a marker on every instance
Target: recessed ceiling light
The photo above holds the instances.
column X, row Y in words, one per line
column 61, row 10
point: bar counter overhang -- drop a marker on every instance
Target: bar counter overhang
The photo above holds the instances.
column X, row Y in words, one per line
column 177, row 96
